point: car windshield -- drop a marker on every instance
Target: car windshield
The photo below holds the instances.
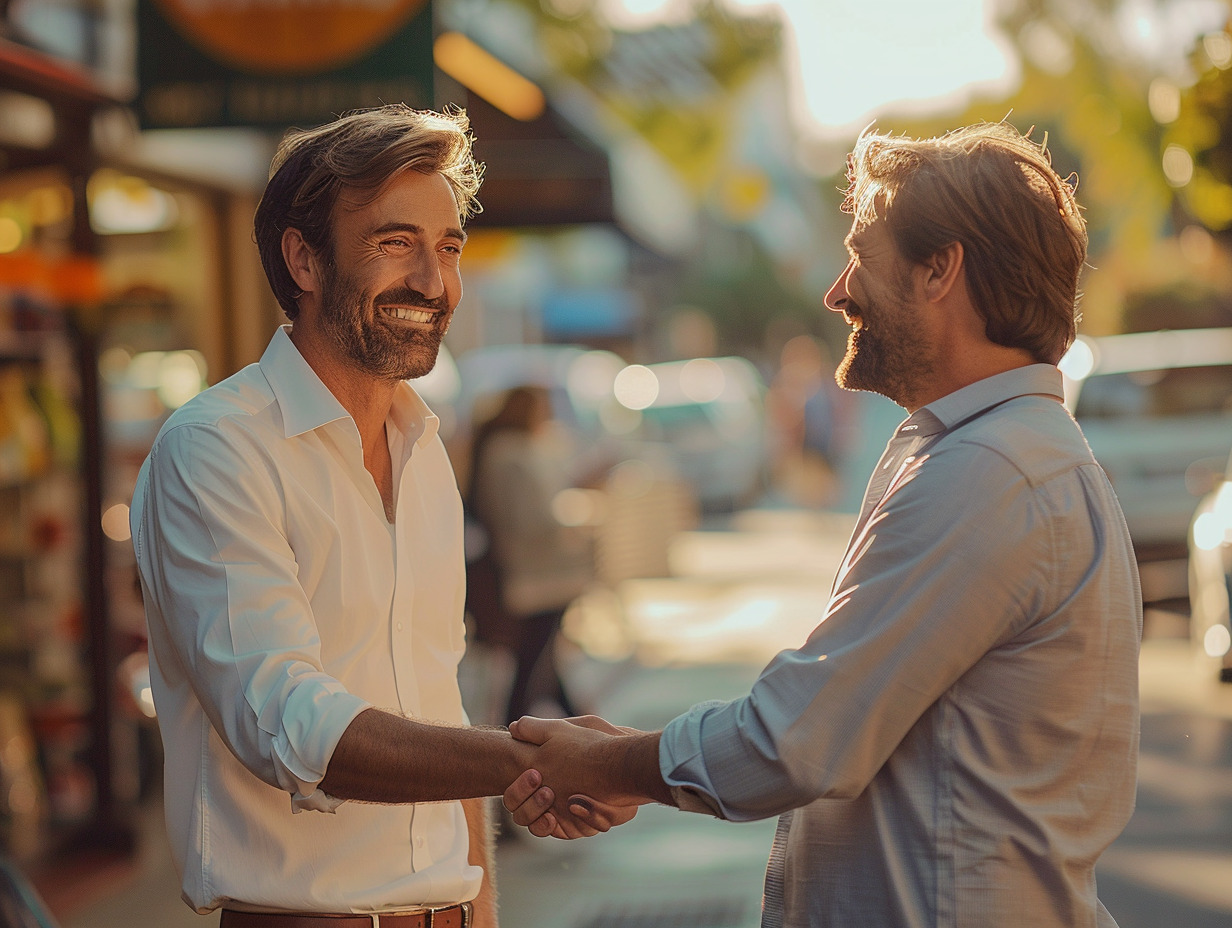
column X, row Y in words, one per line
column 665, row 421
column 1182, row 391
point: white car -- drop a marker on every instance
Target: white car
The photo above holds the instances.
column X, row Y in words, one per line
column 700, row 420
column 1156, row 408
column 704, row 418
column 1210, row 576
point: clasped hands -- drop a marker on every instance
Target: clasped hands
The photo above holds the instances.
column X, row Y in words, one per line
column 589, row 776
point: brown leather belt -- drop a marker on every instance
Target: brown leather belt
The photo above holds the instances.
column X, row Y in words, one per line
column 454, row 916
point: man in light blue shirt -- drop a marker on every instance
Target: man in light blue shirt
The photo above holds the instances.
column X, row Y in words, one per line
column 955, row 744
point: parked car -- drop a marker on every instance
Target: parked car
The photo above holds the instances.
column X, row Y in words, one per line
column 578, row 379
column 1210, row 576
column 705, row 417
column 1156, row 408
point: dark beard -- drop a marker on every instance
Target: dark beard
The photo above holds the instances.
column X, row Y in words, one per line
column 885, row 362
column 352, row 317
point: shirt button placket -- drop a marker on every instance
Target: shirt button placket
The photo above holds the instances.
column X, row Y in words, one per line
column 419, row 858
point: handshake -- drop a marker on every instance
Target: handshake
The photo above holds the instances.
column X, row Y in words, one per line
column 589, row 776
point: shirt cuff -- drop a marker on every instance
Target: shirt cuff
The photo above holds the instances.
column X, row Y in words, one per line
column 683, row 765
column 306, row 744
column 691, row 799
column 316, row 801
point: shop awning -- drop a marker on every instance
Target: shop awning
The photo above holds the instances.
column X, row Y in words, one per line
column 30, row 71
column 62, row 100
column 538, row 172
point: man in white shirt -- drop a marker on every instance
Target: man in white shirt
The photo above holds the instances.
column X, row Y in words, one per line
column 298, row 531
column 955, row 743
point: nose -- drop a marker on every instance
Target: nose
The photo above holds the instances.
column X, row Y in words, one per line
column 837, row 296
column 423, row 274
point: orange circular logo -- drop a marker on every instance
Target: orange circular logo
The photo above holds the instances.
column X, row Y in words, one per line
column 281, row 37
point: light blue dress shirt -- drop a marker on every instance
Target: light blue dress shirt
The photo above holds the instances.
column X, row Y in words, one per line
column 958, row 737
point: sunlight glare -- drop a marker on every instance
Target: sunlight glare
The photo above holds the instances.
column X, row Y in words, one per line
column 1217, row 641
column 856, row 58
column 636, row 387
column 1218, row 48
column 1079, row 360
column 1164, row 100
column 1178, row 166
column 642, row 14
column 1209, row 532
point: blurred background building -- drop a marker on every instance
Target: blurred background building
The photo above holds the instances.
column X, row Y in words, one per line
column 660, row 225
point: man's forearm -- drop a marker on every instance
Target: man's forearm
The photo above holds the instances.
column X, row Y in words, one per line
column 636, row 762
column 383, row 757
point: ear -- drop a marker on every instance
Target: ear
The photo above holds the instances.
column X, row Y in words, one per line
column 300, row 260
column 942, row 271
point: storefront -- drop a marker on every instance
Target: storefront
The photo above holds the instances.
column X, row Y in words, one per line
column 56, row 697
column 123, row 291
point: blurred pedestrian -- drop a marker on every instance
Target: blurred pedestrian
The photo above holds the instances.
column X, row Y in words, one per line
column 955, row 743
column 809, row 417
column 299, row 532
column 520, row 466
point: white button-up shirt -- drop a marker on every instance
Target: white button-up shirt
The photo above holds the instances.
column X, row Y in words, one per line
column 958, row 737
column 281, row 603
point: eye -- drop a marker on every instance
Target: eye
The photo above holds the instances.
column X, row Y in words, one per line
column 395, row 243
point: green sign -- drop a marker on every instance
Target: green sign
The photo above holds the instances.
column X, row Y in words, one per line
column 276, row 63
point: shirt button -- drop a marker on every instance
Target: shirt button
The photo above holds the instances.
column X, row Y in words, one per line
column 399, row 626
column 419, row 842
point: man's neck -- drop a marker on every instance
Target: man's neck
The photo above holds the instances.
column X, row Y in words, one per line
column 967, row 369
column 366, row 398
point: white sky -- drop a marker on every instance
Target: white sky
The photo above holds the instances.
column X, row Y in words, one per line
column 855, row 58
column 852, row 60
column 849, row 59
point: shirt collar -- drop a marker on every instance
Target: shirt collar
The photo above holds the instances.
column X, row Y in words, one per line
column 961, row 405
column 307, row 404
column 411, row 416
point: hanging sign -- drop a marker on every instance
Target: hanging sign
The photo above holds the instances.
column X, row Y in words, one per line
column 278, row 63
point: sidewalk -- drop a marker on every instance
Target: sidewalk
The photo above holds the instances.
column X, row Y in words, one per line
column 739, row 598
column 1172, row 865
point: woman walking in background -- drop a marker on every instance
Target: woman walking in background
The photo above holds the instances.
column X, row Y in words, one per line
column 519, row 464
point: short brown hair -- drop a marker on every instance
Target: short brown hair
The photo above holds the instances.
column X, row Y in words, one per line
column 361, row 150
column 994, row 190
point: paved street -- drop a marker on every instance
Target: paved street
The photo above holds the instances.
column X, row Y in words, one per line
column 654, row 647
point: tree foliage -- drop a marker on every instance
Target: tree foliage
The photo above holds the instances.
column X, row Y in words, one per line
column 1203, row 132
column 673, row 84
column 1085, row 87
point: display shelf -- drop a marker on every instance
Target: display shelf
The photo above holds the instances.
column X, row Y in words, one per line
column 45, row 685
column 57, row 802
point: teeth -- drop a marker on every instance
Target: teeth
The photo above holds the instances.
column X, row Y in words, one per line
column 408, row 314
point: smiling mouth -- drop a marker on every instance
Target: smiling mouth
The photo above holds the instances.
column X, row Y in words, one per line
column 409, row 314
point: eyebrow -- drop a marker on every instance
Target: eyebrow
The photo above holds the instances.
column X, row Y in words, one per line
column 415, row 229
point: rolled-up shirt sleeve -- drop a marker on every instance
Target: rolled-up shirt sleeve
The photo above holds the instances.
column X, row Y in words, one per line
column 931, row 581
column 227, row 610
